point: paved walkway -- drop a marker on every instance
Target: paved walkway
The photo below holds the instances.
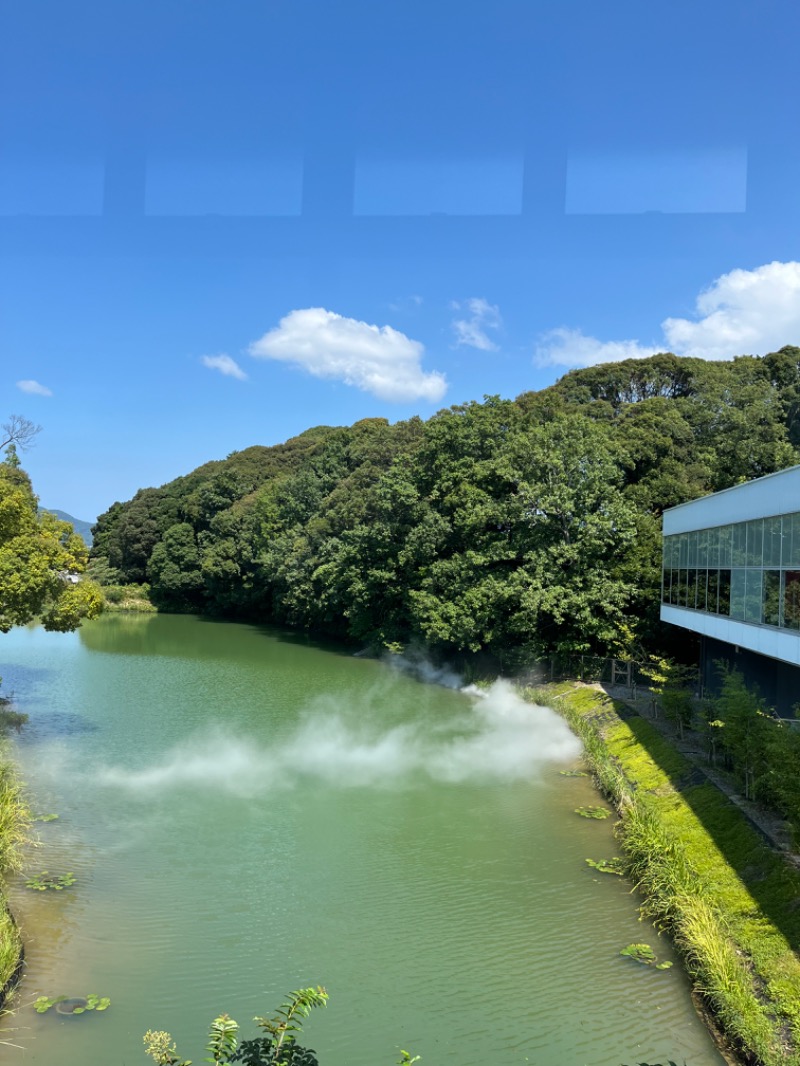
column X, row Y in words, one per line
column 770, row 825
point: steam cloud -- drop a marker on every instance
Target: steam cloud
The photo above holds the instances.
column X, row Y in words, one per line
column 501, row 738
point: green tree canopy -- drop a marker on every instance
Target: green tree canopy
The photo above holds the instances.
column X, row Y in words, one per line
column 40, row 557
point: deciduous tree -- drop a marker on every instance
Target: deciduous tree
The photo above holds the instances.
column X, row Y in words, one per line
column 41, row 559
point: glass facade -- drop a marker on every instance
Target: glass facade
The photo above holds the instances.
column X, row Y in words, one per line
column 748, row 570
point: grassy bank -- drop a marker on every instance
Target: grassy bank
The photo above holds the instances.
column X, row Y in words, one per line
column 727, row 899
column 127, row 598
column 14, row 826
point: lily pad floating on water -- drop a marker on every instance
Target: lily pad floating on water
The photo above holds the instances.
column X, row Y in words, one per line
column 72, row 1005
column 45, row 817
column 644, row 953
column 607, row 866
column 57, row 882
column 44, row 1003
column 593, row 812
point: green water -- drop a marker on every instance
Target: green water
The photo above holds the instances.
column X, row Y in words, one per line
column 247, row 813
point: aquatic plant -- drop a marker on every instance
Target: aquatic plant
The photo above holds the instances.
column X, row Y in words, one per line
column 593, row 812
column 72, row 1005
column 43, row 881
column 572, row 773
column 608, row 866
column 276, row 1047
column 644, row 953
column 45, row 817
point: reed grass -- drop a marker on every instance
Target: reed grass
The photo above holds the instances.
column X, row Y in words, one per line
column 15, row 822
column 706, row 877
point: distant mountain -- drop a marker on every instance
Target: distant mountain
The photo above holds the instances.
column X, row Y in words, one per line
column 84, row 529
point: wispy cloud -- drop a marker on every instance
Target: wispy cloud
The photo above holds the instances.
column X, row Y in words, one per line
column 407, row 303
column 376, row 359
column 743, row 312
column 472, row 329
column 34, row 388
column 571, row 347
column 225, row 365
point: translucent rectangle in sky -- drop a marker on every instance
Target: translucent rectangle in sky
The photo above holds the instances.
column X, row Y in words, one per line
column 474, row 186
column 190, row 186
column 42, row 185
column 679, row 181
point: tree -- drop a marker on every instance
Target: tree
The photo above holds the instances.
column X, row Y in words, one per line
column 19, row 431
column 40, row 560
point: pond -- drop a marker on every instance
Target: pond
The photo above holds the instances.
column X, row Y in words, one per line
column 246, row 812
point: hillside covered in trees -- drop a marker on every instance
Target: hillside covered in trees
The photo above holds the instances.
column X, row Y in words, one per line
column 518, row 527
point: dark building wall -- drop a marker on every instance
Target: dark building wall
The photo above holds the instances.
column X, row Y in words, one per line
column 778, row 683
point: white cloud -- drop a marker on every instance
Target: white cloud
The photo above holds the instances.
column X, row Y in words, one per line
column 472, row 330
column 376, row 359
column 744, row 312
column 570, row 347
column 225, row 365
column 34, row 388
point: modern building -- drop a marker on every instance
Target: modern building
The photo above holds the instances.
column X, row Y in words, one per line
column 731, row 574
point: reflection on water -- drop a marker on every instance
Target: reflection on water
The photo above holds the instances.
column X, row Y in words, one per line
column 245, row 815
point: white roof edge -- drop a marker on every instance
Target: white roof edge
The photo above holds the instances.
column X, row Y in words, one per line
column 762, row 497
column 731, row 488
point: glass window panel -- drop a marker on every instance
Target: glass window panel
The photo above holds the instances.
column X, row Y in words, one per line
column 772, row 543
column 771, row 597
column 725, row 542
column 682, row 581
column 684, row 551
column 753, row 597
column 739, row 553
column 712, row 596
column 793, row 538
column 673, row 592
column 755, row 542
column 702, row 548
column 724, row 601
column 692, row 557
column 702, row 583
column 737, row 593
column 791, row 599
column 691, row 588
column 713, row 547
column 670, row 544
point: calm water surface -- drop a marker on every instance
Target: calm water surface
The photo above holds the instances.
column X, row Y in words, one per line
column 246, row 814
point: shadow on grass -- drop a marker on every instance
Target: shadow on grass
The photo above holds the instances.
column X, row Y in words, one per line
column 771, row 881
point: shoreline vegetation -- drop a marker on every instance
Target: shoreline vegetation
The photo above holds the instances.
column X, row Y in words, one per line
column 41, row 560
column 131, row 598
column 15, row 823
column 707, row 877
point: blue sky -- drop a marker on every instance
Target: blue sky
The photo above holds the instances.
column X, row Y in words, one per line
column 223, row 224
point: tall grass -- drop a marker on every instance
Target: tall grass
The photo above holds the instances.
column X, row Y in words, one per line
column 740, row 962
column 15, row 821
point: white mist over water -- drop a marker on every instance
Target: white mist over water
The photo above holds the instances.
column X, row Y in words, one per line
column 500, row 738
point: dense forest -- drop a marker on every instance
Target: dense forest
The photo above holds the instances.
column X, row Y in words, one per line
column 519, row 527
